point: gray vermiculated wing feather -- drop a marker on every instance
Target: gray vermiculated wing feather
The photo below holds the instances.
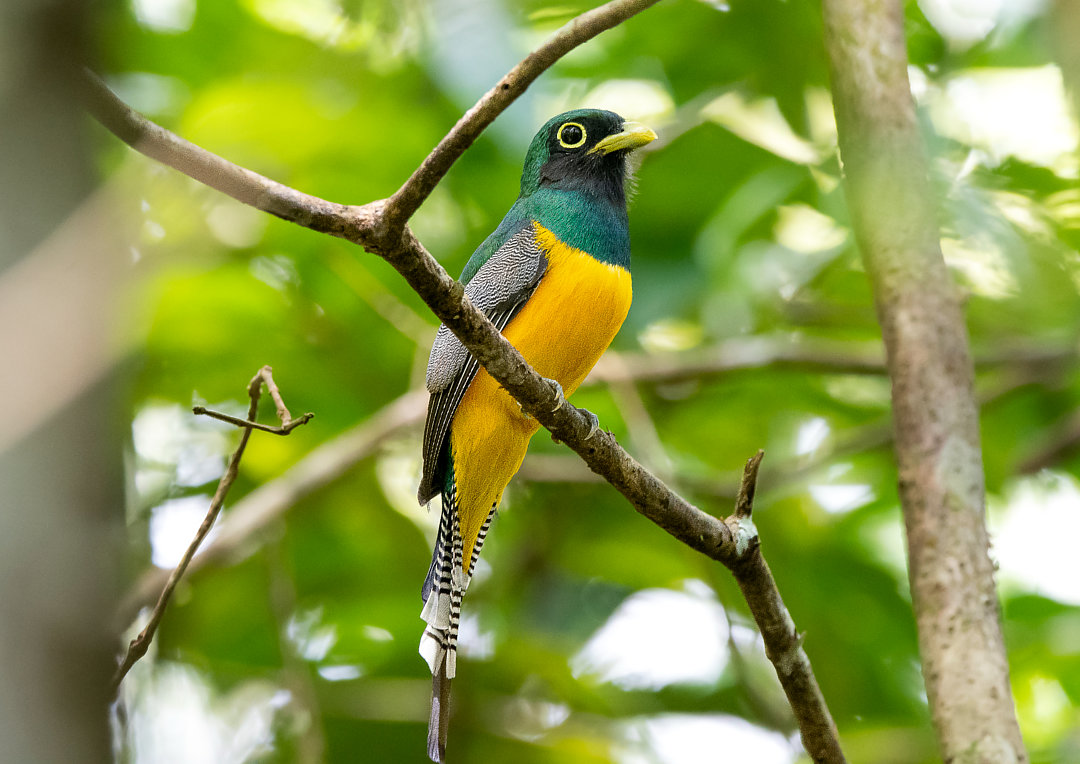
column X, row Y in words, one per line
column 503, row 282
column 500, row 288
column 441, row 408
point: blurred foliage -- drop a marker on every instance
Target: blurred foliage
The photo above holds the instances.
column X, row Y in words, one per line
column 740, row 229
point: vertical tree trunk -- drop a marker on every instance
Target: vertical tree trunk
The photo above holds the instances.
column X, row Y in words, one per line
column 934, row 410
column 59, row 465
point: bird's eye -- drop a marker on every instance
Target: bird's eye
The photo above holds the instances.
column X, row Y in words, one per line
column 571, row 135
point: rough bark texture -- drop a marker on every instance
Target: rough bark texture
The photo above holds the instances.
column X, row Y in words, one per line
column 934, row 410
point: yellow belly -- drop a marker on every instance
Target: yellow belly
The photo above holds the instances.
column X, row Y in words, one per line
column 561, row 331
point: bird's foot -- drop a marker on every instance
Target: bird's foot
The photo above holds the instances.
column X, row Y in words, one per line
column 594, row 423
column 559, row 394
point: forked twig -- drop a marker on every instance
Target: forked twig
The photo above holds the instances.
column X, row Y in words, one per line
column 138, row 646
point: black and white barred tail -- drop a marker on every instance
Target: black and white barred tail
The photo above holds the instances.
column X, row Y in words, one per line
column 444, row 587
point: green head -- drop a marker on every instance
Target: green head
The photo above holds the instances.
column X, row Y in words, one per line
column 585, row 151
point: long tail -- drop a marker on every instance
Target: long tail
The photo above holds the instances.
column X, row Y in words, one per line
column 443, row 589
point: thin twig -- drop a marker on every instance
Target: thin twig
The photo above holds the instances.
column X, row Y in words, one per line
column 783, row 647
column 744, row 503
column 284, row 429
column 212, row 170
column 138, row 646
column 265, row 376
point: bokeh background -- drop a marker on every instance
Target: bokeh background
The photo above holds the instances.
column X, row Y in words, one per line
column 589, row 635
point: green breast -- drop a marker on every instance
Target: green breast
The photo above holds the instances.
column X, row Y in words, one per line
column 583, row 222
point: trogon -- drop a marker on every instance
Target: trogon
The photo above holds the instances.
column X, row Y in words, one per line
column 554, row 278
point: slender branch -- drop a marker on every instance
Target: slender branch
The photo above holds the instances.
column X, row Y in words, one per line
column 934, row 410
column 266, row 377
column 783, row 643
column 138, row 646
column 784, row 649
column 581, row 29
column 241, row 184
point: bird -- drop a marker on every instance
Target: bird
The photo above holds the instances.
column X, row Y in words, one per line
column 554, row 278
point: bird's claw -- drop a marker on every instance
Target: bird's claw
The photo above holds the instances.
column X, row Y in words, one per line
column 594, row 423
column 559, row 392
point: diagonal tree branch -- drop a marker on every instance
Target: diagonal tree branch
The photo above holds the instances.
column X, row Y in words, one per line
column 934, row 410
column 732, row 542
column 241, row 184
column 445, row 296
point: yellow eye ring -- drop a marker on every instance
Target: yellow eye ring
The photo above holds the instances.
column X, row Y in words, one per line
column 575, row 144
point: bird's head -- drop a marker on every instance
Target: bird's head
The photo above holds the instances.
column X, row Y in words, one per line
column 583, row 150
